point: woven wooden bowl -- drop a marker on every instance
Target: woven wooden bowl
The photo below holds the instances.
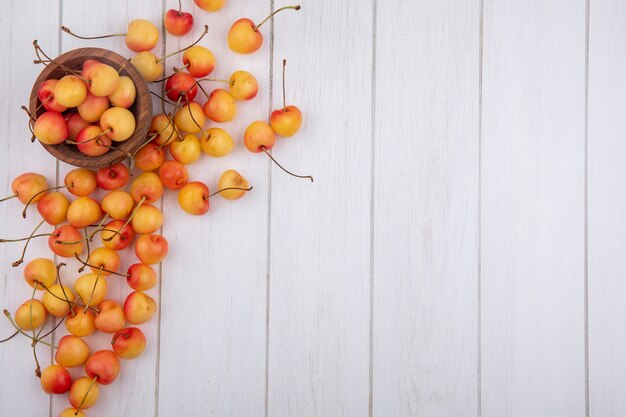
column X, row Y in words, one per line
column 141, row 108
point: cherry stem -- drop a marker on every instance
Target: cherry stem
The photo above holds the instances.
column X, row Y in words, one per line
column 284, row 101
column 72, row 303
column 34, row 344
column 70, row 142
column 206, row 30
column 8, row 198
column 19, row 261
column 25, row 238
column 180, row 8
column 230, row 188
column 93, row 290
column 121, row 68
column 20, row 331
column 87, row 264
column 69, row 303
column 264, row 149
column 86, row 394
column 113, row 148
column 194, row 119
column 40, row 192
column 87, row 244
column 10, row 337
column 60, row 65
column 256, row 28
column 30, row 123
column 68, row 31
column 162, row 98
column 56, row 326
column 117, row 232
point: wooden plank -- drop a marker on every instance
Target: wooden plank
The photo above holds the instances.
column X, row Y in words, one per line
column 425, row 210
column 19, row 155
column 607, row 202
column 138, row 375
column 320, row 249
column 533, row 208
column 213, row 289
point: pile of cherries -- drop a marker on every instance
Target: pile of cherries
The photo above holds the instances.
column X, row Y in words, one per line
column 115, row 205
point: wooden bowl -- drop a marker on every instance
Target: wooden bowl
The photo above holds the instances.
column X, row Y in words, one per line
column 141, row 108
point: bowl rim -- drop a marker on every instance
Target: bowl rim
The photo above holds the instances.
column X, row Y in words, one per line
column 142, row 106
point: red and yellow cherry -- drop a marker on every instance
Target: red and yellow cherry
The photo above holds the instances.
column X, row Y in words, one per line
column 186, row 150
column 141, row 35
column 81, row 323
column 147, row 219
column 66, row 241
column 243, row 85
column 139, row 307
column 125, row 93
column 173, row 175
column 221, row 106
column 232, row 179
column 55, row 379
column 50, row 128
column 149, row 157
column 81, row 182
column 151, row 249
column 103, row 260
column 70, row 91
column 92, row 141
column 53, row 208
column 112, row 177
column 259, row 136
column 28, row 187
column 193, row 198
column 75, row 124
column 190, row 118
column 58, row 299
column 118, row 204
column 210, row 5
column 91, row 288
column 199, row 61
column 116, row 236
column 45, row 93
column 181, row 84
column 40, row 270
column 83, row 211
column 104, row 365
column 110, row 318
column 102, row 79
column 287, row 120
column 141, row 277
column 177, row 22
column 244, row 36
column 129, row 343
column 30, row 315
column 147, row 187
column 72, row 351
column 120, row 121
column 92, row 107
column 216, row 142
column 162, row 129
column 84, row 393
column 149, row 66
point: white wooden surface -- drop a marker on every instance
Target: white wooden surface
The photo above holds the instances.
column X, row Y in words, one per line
column 459, row 254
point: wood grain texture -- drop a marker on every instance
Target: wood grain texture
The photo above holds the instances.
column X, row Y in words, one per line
column 320, row 249
column 425, row 210
column 533, row 208
column 138, row 375
column 213, row 290
column 20, row 392
column 607, row 202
